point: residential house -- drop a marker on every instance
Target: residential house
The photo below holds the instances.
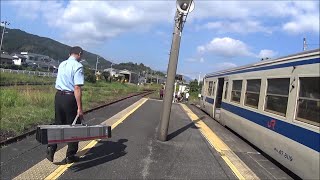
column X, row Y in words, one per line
column 113, row 72
column 6, row 59
column 130, row 76
column 19, row 59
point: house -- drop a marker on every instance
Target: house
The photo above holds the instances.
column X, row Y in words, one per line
column 130, row 76
column 42, row 61
column 34, row 59
column 155, row 79
column 30, row 58
column 19, row 59
column 113, row 72
column 6, row 59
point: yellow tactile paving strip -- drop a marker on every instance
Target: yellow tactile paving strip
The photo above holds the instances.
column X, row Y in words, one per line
column 239, row 168
column 48, row 170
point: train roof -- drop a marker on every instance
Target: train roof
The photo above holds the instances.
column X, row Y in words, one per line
column 267, row 62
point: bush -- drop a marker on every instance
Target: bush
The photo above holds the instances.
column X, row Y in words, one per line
column 11, row 66
column 107, row 76
column 89, row 75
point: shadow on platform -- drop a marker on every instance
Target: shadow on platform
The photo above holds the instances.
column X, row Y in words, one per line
column 103, row 152
column 181, row 130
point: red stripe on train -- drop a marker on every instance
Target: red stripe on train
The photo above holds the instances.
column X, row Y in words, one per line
column 77, row 139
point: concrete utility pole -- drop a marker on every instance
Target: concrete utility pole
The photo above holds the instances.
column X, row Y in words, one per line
column 97, row 65
column 3, row 31
column 199, row 79
column 183, row 8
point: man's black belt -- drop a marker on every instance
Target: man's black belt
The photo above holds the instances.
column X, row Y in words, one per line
column 65, row 92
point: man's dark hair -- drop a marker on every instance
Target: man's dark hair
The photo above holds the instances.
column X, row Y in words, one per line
column 76, row 50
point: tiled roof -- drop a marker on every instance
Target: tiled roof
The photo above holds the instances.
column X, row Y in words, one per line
column 6, row 56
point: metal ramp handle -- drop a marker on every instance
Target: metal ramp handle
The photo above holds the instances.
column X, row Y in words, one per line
column 75, row 120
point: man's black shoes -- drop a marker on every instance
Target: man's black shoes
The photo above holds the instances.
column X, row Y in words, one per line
column 50, row 154
column 67, row 160
column 72, row 159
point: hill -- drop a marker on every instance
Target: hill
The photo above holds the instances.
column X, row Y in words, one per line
column 20, row 41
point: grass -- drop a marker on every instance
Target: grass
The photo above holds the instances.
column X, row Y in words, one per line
column 194, row 98
column 15, row 78
column 24, row 107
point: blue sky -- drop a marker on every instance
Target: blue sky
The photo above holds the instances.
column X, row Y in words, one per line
column 217, row 35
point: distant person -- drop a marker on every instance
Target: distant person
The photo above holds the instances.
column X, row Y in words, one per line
column 178, row 96
column 187, row 96
column 181, row 97
column 68, row 99
column 161, row 93
column 175, row 98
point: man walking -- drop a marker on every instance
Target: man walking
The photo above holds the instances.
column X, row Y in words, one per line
column 68, row 102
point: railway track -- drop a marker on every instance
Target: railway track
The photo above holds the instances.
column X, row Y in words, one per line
column 33, row 131
column 24, row 83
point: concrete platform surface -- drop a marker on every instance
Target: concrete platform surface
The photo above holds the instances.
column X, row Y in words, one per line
column 134, row 152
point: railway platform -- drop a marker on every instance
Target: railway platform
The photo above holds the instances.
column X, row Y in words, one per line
column 197, row 148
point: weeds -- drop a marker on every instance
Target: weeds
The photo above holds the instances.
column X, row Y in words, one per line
column 16, row 78
column 24, row 107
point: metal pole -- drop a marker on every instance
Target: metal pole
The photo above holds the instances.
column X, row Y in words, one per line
column 3, row 30
column 304, row 44
column 171, row 73
column 95, row 73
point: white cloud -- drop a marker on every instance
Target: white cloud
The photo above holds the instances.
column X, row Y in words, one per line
column 266, row 53
column 226, row 47
column 224, row 65
column 101, row 20
column 251, row 16
column 303, row 23
column 28, row 9
column 242, row 27
column 98, row 21
column 194, row 60
column 237, row 10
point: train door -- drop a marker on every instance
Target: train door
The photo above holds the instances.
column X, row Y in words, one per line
column 208, row 101
column 203, row 94
column 218, row 99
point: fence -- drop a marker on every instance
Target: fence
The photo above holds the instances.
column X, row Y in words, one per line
column 32, row 73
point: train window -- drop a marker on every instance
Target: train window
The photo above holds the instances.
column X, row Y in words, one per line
column 236, row 90
column 309, row 100
column 210, row 88
column 277, row 95
column 253, row 93
column 226, row 90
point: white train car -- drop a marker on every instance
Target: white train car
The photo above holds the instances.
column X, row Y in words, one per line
column 275, row 105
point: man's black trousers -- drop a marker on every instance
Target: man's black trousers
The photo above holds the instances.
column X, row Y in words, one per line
column 65, row 106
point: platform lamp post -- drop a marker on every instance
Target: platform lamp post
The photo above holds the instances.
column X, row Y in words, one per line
column 3, row 31
column 183, row 8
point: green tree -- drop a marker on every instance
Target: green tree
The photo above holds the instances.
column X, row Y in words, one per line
column 89, row 75
column 194, row 87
